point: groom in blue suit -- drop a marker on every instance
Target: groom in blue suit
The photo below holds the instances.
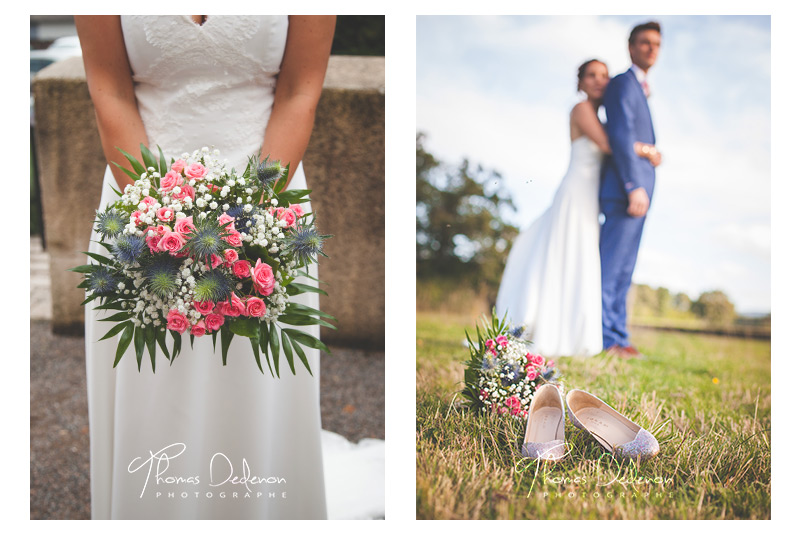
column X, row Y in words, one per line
column 626, row 184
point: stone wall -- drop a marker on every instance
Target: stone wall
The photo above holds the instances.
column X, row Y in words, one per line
column 344, row 166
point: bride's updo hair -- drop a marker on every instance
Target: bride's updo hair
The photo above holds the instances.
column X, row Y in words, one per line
column 582, row 69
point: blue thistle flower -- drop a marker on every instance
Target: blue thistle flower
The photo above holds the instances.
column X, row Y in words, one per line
column 488, row 364
column 161, row 274
column 512, row 374
column 128, row 248
column 206, row 240
column 102, row 281
column 305, row 243
column 268, row 172
column 214, row 286
column 110, row 223
column 240, row 222
column 517, row 331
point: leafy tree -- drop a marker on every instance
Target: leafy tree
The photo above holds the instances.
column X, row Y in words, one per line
column 460, row 230
column 682, row 302
column 715, row 307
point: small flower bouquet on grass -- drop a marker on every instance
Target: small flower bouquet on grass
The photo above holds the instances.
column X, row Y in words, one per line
column 502, row 373
column 193, row 247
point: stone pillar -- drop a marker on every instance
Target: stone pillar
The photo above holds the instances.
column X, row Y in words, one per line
column 71, row 166
column 344, row 166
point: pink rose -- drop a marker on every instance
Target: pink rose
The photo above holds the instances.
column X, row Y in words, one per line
column 224, row 218
column 256, row 307
column 195, row 171
column 205, row 307
column 161, row 229
column 263, row 279
column 551, row 363
column 149, row 200
column 532, row 373
column 185, row 225
column 171, row 180
column 199, row 329
column 483, row 394
column 165, row 214
column 298, row 210
column 178, row 165
column 537, row 360
column 231, row 255
column 177, row 321
column 513, row 402
column 214, row 321
column 241, row 269
column 171, row 242
column 215, row 261
column 152, row 243
column 502, row 341
column 136, row 217
column 234, row 238
column 287, row 215
column 186, row 190
column 234, row 308
column 490, row 343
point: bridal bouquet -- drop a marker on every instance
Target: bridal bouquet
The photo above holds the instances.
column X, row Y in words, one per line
column 194, row 247
column 502, row 374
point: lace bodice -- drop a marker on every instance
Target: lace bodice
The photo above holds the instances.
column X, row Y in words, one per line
column 211, row 85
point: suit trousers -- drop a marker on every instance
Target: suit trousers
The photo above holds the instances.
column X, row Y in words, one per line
column 620, row 236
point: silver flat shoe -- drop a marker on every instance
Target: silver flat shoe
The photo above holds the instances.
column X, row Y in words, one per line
column 617, row 434
column 544, row 432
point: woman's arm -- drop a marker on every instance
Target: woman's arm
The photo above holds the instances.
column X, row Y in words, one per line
column 108, row 74
column 305, row 60
column 585, row 120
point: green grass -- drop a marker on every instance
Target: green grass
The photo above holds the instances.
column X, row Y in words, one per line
column 705, row 398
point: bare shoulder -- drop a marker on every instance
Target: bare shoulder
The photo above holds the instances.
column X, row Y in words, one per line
column 582, row 107
column 581, row 110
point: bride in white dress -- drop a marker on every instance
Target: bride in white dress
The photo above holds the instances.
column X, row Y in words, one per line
column 551, row 282
column 195, row 439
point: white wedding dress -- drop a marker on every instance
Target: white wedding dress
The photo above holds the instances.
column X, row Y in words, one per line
column 551, row 283
column 213, row 85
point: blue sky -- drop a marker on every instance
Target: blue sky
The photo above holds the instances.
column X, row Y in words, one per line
column 498, row 90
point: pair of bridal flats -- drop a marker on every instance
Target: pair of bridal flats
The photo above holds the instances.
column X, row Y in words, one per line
column 544, row 432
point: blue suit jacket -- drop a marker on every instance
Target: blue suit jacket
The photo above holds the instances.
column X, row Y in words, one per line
column 628, row 121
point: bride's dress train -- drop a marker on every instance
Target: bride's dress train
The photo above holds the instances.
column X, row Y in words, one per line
column 551, row 282
column 196, row 439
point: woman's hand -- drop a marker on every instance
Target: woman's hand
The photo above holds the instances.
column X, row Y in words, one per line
column 649, row 152
column 305, row 61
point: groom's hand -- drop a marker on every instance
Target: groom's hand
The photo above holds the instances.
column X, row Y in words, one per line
column 638, row 202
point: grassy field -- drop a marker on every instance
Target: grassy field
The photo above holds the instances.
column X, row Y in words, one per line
column 705, row 398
